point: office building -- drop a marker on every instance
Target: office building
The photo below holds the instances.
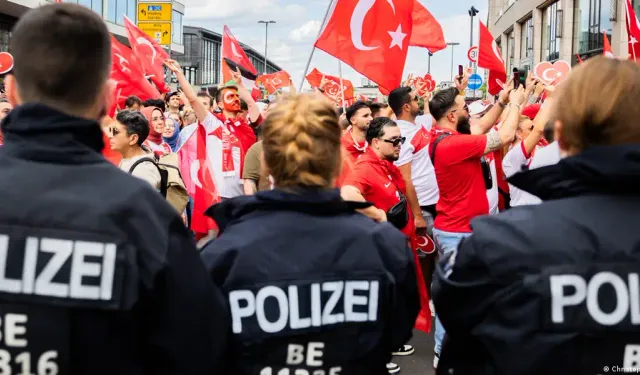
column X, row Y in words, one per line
column 530, row 31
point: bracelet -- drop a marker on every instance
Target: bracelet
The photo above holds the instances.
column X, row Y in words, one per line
column 517, row 105
column 501, row 104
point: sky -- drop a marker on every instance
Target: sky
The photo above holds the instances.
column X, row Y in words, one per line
column 298, row 21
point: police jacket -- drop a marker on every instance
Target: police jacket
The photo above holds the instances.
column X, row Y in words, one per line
column 97, row 273
column 312, row 286
column 554, row 288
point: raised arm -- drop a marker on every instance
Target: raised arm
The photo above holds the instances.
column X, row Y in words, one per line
column 188, row 91
column 245, row 95
column 496, row 139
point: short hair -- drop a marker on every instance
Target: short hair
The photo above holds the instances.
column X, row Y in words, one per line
column 398, row 98
column 132, row 100
column 377, row 107
column 204, row 94
column 244, row 106
column 301, row 143
column 158, row 103
column 442, row 102
column 354, row 108
column 62, row 55
column 135, row 122
column 376, row 128
column 221, row 90
column 608, row 118
column 212, row 91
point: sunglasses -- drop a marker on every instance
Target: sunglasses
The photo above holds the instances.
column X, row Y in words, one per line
column 395, row 141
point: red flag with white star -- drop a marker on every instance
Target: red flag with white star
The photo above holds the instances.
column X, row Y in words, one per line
column 633, row 31
column 372, row 37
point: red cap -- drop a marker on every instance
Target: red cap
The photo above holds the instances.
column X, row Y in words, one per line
column 531, row 111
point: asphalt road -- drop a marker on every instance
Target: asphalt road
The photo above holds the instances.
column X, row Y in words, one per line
column 420, row 362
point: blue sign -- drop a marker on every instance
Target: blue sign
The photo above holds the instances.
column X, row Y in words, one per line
column 156, row 8
column 475, row 81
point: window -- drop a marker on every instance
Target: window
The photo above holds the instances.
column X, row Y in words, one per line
column 594, row 17
column 117, row 9
column 508, row 58
column 550, row 39
column 177, row 27
column 95, row 5
column 526, row 41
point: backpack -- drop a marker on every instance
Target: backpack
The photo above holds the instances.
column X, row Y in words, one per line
column 172, row 186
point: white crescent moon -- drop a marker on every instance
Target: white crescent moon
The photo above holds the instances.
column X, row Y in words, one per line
column 494, row 45
column 357, row 19
column 426, row 242
column 142, row 41
column 195, row 167
column 546, row 78
column 276, row 81
column 122, row 61
column 235, row 51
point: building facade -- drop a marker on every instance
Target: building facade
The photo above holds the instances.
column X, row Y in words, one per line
column 530, row 31
column 112, row 11
column 202, row 57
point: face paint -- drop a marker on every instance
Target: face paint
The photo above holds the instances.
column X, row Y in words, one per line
column 231, row 101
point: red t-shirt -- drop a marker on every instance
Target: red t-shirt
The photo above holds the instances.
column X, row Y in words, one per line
column 348, row 162
column 380, row 182
column 463, row 194
column 354, row 149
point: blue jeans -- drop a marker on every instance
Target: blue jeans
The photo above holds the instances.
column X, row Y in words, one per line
column 446, row 242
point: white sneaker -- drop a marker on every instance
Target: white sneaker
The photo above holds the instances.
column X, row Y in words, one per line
column 436, row 359
column 404, row 350
column 392, row 368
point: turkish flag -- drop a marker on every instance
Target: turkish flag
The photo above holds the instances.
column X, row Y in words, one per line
column 427, row 32
column 490, row 58
column 196, row 172
column 149, row 52
column 607, row 51
column 128, row 76
column 633, row 31
column 372, row 37
column 275, row 81
column 233, row 56
column 332, row 90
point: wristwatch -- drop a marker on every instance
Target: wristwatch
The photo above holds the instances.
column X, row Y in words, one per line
column 501, row 104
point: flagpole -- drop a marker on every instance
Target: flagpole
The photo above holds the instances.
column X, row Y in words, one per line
column 313, row 47
column 341, row 85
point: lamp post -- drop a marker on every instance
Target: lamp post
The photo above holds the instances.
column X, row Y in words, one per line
column 472, row 13
column 266, row 41
column 429, row 63
column 452, row 44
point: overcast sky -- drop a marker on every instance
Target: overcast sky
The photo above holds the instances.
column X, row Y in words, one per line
column 298, row 22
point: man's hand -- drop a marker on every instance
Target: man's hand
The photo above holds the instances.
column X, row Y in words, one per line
column 237, row 77
column 461, row 85
column 173, row 66
column 323, row 83
column 504, row 94
column 517, row 96
column 420, row 224
column 530, row 83
column 410, row 81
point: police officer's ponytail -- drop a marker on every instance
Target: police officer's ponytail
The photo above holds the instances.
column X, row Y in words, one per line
column 301, row 143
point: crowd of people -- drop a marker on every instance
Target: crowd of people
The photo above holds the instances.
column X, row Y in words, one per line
column 338, row 231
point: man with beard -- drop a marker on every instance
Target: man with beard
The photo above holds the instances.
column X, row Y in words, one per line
column 462, row 173
column 228, row 137
column 354, row 139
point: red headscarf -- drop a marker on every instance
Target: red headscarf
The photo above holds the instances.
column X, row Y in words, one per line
column 154, row 136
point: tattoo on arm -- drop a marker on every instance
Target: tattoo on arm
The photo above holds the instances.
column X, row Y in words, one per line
column 494, row 142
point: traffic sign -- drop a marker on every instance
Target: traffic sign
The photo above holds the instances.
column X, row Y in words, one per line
column 472, row 54
column 475, row 81
column 159, row 31
column 156, row 11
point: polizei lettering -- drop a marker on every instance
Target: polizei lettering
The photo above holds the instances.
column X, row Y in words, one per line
column 276, row 308
column 74, row 269
column 574, row 291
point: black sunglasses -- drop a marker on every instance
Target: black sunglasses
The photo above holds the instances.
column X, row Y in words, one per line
column 396, row 141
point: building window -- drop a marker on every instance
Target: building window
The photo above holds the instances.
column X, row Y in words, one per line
column 550, row 39
column 526, row 41
column 177, row 27
column 594, row 17
column 117, row 9
column 510, row 50
column 95, row 5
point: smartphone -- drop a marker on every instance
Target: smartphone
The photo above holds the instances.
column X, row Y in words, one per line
column 460, row 73
column 516, row 78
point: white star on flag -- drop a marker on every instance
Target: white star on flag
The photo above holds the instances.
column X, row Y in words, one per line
column 397, row 37
column 633, row 40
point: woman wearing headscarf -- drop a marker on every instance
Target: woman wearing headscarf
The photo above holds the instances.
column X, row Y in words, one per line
column 171, row 134
column 154, row 141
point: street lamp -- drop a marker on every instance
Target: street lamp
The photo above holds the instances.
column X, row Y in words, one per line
column 266, row 41
column 472, row 13
column 429, row 63
column 452, row 44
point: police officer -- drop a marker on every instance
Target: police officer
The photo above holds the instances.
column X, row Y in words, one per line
column 97, row 273
column 313, row 286
column 554, row 289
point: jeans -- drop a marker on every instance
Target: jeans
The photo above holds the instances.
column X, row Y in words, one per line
column 446, row 242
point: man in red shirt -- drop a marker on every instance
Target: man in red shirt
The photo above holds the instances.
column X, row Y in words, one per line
column 457, row 152
column 354, row 139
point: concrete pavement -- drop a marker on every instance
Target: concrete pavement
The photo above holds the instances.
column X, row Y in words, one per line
column 420, row 362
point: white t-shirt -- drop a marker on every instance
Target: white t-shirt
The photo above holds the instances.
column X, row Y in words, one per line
column 228, row 184
column 415, row 150
column 425, row 120
column 514, row 161
column 145, row 171
column 549, row 155
column 493, row 195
